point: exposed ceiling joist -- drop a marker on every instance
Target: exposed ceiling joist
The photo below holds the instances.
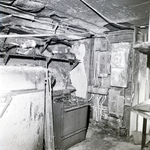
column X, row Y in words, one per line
column 75, row 16
column 30, row 22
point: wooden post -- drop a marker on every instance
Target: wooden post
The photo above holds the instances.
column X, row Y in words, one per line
column 148, row 65
column 146, row 91
column 144, row 133
column 49, row 132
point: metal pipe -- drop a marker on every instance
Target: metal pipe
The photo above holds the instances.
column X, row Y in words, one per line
column 44, row 35
column 26, row 35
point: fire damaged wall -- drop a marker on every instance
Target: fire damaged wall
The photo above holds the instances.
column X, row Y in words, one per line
column 79, row 75
column 72, row 74
column 109, row 88
column 21, row 107
column 22, row 79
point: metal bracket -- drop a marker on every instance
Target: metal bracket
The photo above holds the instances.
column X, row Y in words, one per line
column 4, row 106
column 6, row 58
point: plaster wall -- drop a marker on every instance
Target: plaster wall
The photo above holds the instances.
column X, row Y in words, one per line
column 21, row 125
column 112, row 69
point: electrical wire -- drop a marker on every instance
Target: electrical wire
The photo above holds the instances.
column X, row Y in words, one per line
column 105, row 18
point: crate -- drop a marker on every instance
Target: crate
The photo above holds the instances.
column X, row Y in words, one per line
column 70, row 124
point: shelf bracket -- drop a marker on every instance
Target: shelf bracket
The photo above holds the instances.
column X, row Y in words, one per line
column 6, row 58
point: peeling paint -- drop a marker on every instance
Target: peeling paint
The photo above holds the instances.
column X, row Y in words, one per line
column 78, row 75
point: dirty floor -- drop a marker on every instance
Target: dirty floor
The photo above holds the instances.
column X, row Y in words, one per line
column 98, row 138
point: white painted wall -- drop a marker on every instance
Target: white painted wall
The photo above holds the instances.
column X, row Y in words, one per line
column 78, row 75
column 21, row 126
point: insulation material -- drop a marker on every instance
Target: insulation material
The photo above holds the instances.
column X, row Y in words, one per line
column 97, row 42
column 100, row 44
column 116, row 103
column 119, row 77
column 20, row 45
column 101, row 66
column 119, row 56
column 103, row 45
column 104, row 64
column 7, row 1
column 119, row 64
column 22, row 42
column 29, row 6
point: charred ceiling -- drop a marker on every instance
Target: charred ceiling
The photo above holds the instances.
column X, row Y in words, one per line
column 36, row 18
column 69, row 17
column 38, row 24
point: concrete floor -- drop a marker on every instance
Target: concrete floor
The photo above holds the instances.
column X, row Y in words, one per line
column 98, row 138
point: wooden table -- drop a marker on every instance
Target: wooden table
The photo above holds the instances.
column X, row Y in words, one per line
column 145, row 115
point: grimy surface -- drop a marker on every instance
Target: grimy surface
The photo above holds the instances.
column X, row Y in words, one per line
column 100, row 138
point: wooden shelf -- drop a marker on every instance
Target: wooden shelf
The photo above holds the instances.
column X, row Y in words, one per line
column 141, row 41
column 142, row 113
column 7, row 56
column 143, row 47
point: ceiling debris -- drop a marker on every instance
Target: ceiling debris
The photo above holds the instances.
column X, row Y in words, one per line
column 50, row 22
column 28, row 17
column 73, row 19
column 29, row 6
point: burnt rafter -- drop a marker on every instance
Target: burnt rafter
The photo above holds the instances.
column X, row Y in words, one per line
column 53, row 40
column 45, row 26
column 53, row 23
column 7, row 2
column 29, row 6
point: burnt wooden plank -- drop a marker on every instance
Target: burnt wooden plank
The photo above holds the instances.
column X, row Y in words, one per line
column 144, row 133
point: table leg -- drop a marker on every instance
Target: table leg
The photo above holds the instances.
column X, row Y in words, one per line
column 144, row 133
